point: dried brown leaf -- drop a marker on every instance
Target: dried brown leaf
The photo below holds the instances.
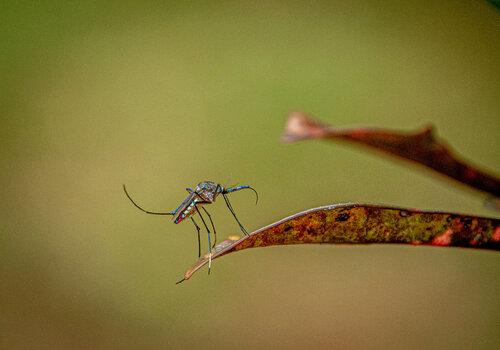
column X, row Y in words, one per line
column 367, row 224
column 420, row 146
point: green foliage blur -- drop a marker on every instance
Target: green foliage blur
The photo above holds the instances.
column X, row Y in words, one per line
column 163, row 96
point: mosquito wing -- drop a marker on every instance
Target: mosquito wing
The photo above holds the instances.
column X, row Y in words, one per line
column 185, row 209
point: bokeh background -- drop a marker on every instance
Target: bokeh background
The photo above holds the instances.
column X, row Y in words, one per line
column 161, row 96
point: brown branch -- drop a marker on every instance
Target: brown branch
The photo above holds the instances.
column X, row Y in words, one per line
column 366, row 224
column 421, row 147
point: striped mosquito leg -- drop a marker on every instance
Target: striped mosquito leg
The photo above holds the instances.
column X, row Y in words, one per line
column 230, row 207
column 212, row 224
column 209, row 240
column 238, row 188
column 198, row 230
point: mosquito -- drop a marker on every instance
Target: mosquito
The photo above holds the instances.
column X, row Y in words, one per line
column 206, row 192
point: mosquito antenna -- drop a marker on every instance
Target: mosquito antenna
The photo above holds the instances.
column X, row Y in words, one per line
column 237, row 188
column 144, row 210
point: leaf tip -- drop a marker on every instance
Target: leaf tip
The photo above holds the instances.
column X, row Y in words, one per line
column 300, row 126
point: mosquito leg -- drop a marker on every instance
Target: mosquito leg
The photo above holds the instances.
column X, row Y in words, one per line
column 144, row 210
column 234, row 214
column 212, row 224
column 230, row 207
column 198, row 230
column 209, row 240
column 208, row 214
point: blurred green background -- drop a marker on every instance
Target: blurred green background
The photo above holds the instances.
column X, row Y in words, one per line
column 162, row 96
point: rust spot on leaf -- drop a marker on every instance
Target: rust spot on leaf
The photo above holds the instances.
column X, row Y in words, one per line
column 444, row 238
column 342, row 217
column 496, row 235
column 476, row 240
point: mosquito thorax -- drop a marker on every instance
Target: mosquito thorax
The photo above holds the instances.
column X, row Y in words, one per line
column 208, row 190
